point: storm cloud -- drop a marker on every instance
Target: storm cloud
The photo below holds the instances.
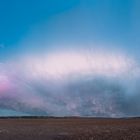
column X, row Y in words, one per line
column 71, row 83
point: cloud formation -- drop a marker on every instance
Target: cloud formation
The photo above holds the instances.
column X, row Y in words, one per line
column 77, row 83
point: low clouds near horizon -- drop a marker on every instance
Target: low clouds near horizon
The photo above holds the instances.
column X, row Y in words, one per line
column 71, row 83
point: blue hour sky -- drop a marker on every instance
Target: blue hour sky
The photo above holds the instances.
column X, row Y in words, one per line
column 54, row 51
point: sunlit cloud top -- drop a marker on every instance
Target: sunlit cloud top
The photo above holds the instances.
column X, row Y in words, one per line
column 62, row 64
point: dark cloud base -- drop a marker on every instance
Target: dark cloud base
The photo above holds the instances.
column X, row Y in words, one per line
column 98, row 97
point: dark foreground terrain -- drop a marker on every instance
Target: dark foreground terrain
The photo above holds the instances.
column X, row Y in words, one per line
column 69, row 129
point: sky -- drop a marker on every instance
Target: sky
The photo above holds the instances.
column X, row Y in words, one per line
column 70, row 58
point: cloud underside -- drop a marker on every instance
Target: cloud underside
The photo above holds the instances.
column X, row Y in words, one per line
column 71, row 84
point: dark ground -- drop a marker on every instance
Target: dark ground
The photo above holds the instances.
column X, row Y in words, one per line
column 69, row 129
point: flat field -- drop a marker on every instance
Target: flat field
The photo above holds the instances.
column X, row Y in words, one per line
column 69, row 129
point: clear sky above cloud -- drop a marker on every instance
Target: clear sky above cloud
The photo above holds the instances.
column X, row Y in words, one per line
column 41, row 23
column 52, row 51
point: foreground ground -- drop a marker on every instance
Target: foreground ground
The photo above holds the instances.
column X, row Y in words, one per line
column 70, row 129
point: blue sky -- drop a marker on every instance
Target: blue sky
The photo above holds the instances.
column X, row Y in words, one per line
column 70, row 57
column 44, row 22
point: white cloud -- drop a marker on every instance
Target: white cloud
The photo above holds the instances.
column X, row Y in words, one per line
column 64, row 64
